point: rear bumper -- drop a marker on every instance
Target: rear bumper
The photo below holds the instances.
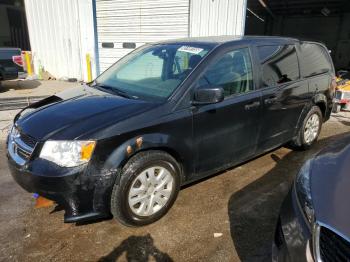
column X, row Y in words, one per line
column 292, row 241
column 83, row 195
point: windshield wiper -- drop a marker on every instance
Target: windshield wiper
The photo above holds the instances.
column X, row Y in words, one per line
column 113, row 90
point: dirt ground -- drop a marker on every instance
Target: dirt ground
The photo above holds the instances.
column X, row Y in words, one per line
column 28, row 88
column 241, row 204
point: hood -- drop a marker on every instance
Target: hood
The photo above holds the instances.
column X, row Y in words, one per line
column 330, row 186
column 69, row 114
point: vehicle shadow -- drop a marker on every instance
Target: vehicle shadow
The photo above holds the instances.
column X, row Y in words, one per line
column 253, row 210
column 137, row 248
column 18, row 85
column 345, row 120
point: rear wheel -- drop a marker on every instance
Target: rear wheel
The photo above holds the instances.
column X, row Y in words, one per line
column 309, row 130
column 148, row 187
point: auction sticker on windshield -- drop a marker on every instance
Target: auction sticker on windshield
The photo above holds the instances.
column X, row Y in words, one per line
column 190, row 49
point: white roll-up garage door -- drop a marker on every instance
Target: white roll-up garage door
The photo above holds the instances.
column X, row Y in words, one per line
column 125, row 24
column 219, row 17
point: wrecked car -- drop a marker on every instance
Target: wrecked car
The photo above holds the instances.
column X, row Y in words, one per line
column 165, row 115
column 314, row 221
column 341, row 99
column 11, row 63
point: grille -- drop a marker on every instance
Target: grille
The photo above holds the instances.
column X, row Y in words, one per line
column 22, row 153
column 20, row 146
column 333, row 247
column 29, row 141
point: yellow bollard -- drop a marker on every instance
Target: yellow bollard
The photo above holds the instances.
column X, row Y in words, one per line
column 88, row 67
column 185, row 62
column 28, row 63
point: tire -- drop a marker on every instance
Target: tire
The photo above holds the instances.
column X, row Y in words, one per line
column 336, row 108
column 126, row 208
column 302, row 140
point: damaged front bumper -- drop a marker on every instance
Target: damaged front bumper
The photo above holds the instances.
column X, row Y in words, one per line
column 83, row 191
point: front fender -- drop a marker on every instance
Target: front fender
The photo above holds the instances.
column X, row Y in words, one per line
column 155, row 141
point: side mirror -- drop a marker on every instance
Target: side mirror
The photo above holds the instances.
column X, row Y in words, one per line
column 208, row 95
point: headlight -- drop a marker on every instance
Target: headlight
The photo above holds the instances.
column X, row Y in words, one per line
column 11, row 129
column 10, row 133
column 303, row 190
column 68, row 153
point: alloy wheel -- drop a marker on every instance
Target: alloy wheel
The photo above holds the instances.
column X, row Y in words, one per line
column 312, row 128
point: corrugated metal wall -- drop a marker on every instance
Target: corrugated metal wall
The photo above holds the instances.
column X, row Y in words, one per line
column 61, row 33
column 217, row 17
column 139, row 22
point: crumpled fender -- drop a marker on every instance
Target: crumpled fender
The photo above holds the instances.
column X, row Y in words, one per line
column 157, row 141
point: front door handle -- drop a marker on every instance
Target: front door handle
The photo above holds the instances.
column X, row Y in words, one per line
column 270, row 100
column 252, row 105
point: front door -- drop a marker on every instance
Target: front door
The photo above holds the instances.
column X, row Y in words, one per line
column 226, row 133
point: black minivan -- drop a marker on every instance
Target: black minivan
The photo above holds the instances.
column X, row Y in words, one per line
column 168, row 114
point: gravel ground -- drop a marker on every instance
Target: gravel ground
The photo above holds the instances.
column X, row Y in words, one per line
column 228, row 217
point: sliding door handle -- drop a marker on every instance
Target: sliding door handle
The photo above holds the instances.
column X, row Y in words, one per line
column 252, row 105
column 270, row 100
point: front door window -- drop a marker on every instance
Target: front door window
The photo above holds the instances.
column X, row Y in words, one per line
column 233, row 72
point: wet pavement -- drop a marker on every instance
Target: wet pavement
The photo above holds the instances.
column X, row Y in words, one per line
column 228, row 217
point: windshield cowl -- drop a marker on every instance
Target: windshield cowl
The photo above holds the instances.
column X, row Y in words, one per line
column 112, row 90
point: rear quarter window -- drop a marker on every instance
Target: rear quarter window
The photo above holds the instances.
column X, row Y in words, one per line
column 279, row 64
column 315, row 60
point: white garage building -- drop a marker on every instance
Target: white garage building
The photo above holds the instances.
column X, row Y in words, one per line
column 62, row 32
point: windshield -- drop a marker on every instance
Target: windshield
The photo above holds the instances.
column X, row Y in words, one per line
column 152, row 72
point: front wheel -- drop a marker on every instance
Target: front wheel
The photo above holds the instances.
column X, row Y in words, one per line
column 148, row 187
column 309, row 130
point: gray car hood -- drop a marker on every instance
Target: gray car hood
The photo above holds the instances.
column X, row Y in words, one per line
column 330, row 186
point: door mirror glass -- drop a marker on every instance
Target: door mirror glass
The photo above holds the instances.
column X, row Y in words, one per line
column 208, row 95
